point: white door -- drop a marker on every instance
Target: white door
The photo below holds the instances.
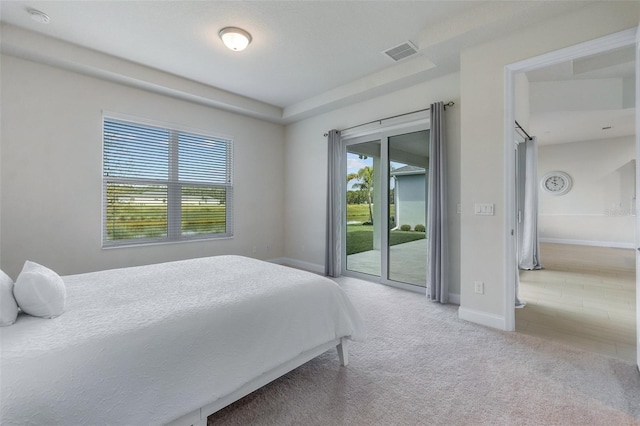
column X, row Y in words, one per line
column 638, row 197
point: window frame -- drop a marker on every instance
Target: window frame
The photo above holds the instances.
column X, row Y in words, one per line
column 173, row 184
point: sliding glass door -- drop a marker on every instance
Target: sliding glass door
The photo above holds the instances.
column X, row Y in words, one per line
column 363, row 230
column 386, row 199
column 408, row 173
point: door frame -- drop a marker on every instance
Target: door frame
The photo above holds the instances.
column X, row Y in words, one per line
column 637, row 204
column 599, row 45
column 407, row 124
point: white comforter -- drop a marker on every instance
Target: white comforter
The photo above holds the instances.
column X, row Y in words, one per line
column 145, row 345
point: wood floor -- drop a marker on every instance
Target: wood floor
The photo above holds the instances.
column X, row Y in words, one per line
column 584, row 297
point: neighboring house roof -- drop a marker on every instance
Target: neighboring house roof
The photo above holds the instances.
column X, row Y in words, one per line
column 408, row 170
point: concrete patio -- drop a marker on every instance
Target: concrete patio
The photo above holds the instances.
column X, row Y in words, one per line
column 407, row 262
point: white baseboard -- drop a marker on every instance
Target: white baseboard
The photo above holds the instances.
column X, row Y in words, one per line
column 307, row 266
column 454, row 298
column 482, row 318
column 611, row 244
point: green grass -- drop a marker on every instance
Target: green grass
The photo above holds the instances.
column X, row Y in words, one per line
column 128, row 221
column 360, row 212
column 139, row 211
column 357, row 213
column 360, row 238
column 135, row 221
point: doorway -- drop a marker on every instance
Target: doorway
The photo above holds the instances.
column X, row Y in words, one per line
column 384, row 238
column 589, row 255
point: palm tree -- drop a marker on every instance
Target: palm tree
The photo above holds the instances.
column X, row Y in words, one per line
column 365, row 183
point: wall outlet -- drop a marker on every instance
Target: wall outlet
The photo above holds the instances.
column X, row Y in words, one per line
column 478, row 287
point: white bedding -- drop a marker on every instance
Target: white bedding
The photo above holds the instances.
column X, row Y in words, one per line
column 145, row 345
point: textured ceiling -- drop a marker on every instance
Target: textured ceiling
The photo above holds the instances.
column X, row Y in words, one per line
column 306, row 56
column 300, row 50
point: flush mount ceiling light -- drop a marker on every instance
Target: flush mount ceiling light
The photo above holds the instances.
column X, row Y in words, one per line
column 38, row 16
column 234, row 38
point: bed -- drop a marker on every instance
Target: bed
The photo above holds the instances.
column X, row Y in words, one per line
column 169, row 343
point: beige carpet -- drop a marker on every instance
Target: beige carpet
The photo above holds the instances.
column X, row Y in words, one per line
column 423, row 366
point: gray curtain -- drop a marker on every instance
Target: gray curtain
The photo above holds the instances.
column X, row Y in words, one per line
column 529, row 253
column 332, row 266
column 438, row 248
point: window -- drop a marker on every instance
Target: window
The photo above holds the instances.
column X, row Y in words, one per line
column 164, row 185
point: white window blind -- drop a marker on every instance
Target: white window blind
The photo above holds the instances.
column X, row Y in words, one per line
column 164, row 185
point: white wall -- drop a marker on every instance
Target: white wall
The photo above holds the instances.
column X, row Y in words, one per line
column 577, row 95
column 51, row 179
column 482, row 142
column 597, row 210
column 306, row 160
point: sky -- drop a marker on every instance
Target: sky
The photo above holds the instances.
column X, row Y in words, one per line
column 355, row 163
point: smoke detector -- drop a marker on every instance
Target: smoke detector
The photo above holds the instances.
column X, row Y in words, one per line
column 401, row 51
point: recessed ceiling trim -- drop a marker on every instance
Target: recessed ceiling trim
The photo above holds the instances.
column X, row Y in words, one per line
column 35, row 47
column 626, row 55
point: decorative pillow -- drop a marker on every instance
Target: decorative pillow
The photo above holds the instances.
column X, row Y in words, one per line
column 8, row 306
column 39, row 291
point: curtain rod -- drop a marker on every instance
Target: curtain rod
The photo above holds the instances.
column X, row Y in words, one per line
column 518, row 126
column 380, row 120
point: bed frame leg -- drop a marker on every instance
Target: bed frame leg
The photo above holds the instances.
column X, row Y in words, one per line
column 343, row 351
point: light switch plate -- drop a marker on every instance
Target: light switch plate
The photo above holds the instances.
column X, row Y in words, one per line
column 482, row 209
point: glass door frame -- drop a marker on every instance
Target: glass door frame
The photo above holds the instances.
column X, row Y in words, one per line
column 383, row 135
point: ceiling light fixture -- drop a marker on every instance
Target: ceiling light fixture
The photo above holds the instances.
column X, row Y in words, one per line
column 234, row 38
column 38, row 16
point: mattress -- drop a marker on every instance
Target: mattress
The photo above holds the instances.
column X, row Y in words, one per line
column 145, row 345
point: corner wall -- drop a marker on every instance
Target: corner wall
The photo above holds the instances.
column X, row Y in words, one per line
column 306, row 164
column 51, row 182
column 482, row 142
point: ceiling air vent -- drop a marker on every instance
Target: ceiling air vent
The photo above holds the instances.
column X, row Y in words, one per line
column 401, row 51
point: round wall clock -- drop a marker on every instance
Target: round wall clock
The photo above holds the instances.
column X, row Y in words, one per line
column 556, row 183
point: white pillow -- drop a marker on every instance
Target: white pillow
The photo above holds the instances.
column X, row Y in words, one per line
column 8, row 306
column 39, row 291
